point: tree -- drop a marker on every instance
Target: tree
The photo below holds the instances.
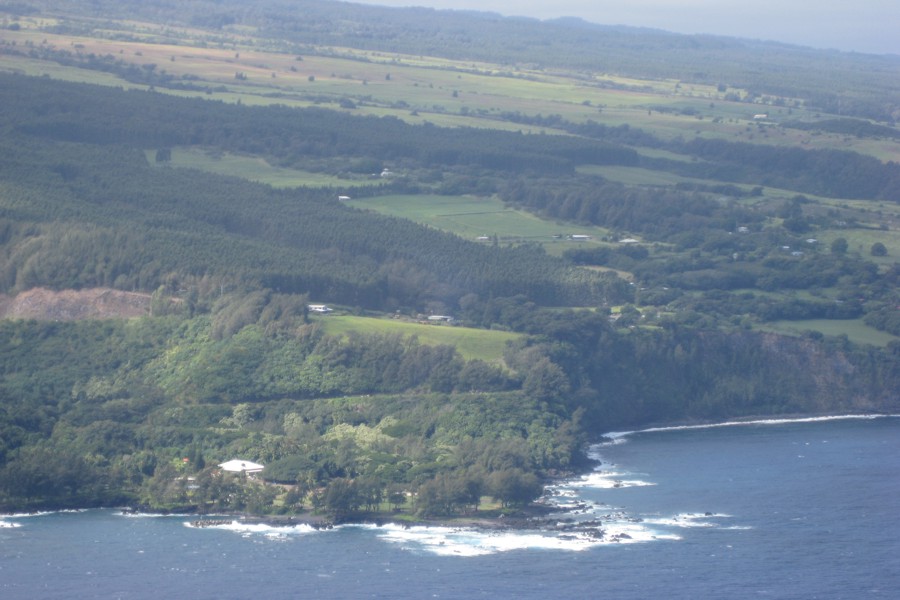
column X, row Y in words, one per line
column 514, row 487
column 546, row 381
column 878, row 249
column 839, row 246
column 342, row 496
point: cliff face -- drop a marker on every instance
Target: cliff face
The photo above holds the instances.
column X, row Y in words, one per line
column 838, row 378
column 707, row 376
column 69, row 305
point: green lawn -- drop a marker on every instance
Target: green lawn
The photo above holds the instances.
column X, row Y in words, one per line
column 471, row 343
column 857, row 331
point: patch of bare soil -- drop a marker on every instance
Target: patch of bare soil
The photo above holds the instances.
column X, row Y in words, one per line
column 70, row 305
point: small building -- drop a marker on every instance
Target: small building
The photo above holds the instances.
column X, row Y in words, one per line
column 760, row 116
column 443, row 318
column 241, row 466
column 629, row 241
column 319, row 308
column 342, row 198
column 578, row 237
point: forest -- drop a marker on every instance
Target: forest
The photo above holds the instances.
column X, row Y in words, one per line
column 669, row 313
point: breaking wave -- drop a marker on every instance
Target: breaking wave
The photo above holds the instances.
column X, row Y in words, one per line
column 619, row 437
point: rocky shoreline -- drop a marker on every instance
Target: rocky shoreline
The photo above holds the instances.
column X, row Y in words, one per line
column 535, row 517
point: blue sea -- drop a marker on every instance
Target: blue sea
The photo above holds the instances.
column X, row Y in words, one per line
column 774, row 509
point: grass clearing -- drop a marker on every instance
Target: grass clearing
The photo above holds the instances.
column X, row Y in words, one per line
column 253, row 169
column 474, row 217
column 855, row 330
column 640, row 176
column 483, row 344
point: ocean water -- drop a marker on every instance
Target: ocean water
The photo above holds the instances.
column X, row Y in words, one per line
column 766, row 510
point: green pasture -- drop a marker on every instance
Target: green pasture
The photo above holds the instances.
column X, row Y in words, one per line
column 471, row 343
column 253, row 169
column 650, row 177
column 419, row 88
column 638, row 175
column 860, row 241
column 855, row 330
column 473, row 217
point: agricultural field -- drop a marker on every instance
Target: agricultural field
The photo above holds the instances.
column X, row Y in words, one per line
column 238, row 67
column 482, row 218
column 481, row 344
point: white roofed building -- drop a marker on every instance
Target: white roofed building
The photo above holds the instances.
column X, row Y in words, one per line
column 241, row 466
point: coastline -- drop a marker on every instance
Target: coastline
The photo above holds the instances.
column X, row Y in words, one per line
column 533, row 516
column 539, row 515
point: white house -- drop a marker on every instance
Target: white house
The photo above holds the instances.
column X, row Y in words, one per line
column 241, row 466
column 580, row 237
column 444, row 318
column 319, row 308
column 342, row 198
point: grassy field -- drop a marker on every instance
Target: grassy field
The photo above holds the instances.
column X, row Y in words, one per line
column 640, row 176
column 855, row 330
column 474, row 217
column 471, row 343
column 254, row 169
column 419, row 88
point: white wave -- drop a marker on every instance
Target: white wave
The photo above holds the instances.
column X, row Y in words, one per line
column 632, row 533
column 275, row 531
column 42, row 513
column 616, row 436
column 468, row 542
column 445, row 541
column 688, row 520
column 143, row 515
column 606, row 480
column 8, row 525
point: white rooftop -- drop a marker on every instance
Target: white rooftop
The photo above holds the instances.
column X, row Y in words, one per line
column 241, row 466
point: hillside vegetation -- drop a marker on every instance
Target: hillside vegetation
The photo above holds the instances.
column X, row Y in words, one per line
column 619, row 241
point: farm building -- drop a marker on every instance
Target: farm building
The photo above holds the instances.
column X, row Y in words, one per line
column 319, row 308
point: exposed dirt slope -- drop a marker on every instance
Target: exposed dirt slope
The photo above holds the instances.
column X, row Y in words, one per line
column 70, row 305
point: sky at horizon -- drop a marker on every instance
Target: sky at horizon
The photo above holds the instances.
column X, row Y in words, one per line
column 870, row 26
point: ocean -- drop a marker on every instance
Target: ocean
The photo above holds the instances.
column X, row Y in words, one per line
column 775, row 509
